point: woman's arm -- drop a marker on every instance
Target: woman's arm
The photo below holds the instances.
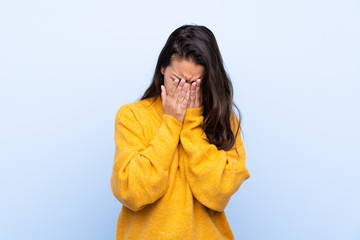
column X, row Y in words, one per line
column 213, row 175
column 141, row 169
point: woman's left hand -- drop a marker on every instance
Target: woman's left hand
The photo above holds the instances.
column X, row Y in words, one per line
column 195, row 95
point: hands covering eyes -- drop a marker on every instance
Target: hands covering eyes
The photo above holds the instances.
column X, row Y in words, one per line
column 179, row 97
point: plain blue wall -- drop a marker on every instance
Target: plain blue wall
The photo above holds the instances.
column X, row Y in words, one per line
column 67, row 66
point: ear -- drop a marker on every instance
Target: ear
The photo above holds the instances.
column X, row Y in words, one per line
column 162, row 71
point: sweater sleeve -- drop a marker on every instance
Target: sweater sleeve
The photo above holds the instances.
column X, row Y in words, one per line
column 213, row 175
column 141, row 169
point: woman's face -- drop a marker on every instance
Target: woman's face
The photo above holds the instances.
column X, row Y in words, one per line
column 183, row 69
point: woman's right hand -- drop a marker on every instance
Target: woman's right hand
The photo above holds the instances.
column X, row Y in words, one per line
column 175, row 101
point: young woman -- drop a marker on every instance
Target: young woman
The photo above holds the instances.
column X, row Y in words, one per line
column 179, row 155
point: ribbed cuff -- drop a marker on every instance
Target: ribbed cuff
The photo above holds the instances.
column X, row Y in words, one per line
column 194, row 112
column 173, row 121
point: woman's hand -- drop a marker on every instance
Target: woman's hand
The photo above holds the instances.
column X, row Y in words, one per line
column 195, row 95
column 176, row 100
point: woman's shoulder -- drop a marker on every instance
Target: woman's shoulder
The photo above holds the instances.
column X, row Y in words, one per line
column 140, row 104
column 135, row 107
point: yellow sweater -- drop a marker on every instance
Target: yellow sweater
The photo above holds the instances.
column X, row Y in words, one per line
column 171, row 182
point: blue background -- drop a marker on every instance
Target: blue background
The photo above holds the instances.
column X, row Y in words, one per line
column 67, row 66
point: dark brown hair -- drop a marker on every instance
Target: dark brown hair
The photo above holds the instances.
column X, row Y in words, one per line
column 198, row 44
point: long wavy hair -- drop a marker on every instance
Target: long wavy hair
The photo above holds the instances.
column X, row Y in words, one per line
column 198, row 44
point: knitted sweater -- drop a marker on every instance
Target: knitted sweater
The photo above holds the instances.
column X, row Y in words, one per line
column 171, row 182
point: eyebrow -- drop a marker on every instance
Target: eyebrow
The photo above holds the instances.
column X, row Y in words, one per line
column 177, row 77
column 180, row 77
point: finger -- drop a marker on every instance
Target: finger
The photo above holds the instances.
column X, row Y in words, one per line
column 186, row 101
column 183, row 92
column 192, row 92
column 163, row 93
column 200, row 93
column 198, row 83
column 179, row 90
column 173, row 87
column 179, row 86
column 192, row 96
column 197, row 92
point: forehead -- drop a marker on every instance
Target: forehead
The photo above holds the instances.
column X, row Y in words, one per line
column 186, row 69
